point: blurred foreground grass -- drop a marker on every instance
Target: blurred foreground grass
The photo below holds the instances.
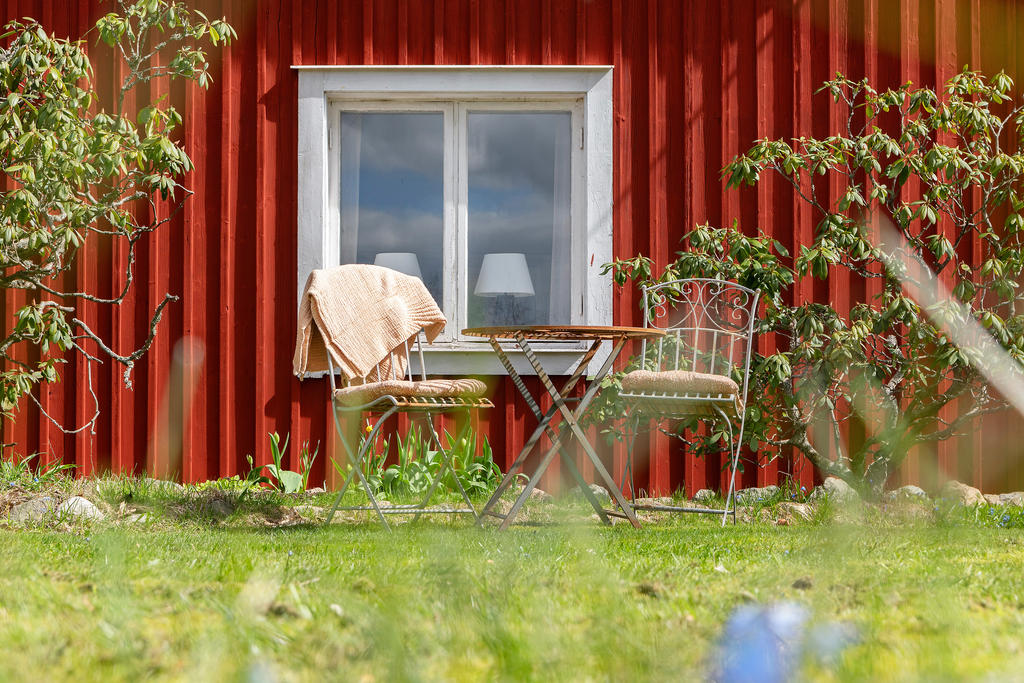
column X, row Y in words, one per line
column 446, row 601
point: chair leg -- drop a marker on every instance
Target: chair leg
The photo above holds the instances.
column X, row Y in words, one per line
column 463, row 433
column 634, row 420
column 357, row 465
column 446, row 464
column 735, row 459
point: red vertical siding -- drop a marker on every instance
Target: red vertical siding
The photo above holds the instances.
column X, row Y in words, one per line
column 695, row 84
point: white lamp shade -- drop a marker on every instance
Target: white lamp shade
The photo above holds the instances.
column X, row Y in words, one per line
column 505, row 274
column 402, row 261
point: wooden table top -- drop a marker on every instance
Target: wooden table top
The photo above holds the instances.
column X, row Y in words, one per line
column 565, row 332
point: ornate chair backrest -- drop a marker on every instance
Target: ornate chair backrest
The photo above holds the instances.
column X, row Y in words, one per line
column 709, row 327
column 386, row 369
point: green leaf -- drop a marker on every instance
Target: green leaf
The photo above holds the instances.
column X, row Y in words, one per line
column 290, row 482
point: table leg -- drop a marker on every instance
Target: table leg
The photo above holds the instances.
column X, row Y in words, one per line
column 545, row 419
column 542, row 427
column 520, row 460
column 570, row 417
column 534, row 478
column 585, row 488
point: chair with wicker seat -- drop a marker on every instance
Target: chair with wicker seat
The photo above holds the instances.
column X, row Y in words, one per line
column 365, row 340
column 382, row 394
column 699, row 369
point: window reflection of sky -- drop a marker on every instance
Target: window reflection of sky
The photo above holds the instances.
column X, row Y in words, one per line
column 512, row 196
column 512, row 160
column 401, row 189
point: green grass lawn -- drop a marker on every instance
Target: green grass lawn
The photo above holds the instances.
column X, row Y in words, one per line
column 446, row 601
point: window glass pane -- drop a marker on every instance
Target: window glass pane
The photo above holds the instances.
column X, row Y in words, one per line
column 518, row 243
column 392, row 192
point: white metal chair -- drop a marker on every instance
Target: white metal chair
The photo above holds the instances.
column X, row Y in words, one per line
column 699, row 369
column 382, row 394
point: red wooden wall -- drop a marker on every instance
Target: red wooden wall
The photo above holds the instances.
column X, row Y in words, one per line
column 695, row 83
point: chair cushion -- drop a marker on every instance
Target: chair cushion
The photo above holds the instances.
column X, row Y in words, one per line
column 362, row 394
column 678, row 382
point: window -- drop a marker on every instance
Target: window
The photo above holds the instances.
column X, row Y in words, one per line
column 493, row 184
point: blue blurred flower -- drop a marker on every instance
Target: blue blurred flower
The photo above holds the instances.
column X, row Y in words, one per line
column 760, row 643
column 766, row 643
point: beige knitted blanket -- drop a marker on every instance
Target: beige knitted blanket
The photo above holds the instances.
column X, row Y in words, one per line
column 362, row 314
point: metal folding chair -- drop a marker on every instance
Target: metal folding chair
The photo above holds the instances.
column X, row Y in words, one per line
column 699, row 369
column 382, row 394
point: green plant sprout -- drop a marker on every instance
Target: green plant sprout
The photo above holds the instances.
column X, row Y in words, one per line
column 417, row 465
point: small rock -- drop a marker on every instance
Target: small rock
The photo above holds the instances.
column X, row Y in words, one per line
column 137, row 518
column 343, row 517
column 220, row 508
column 539, row 496
column 907, row 493
column 803, row 583
column 958, row 492
column 315, row 490
column 168, row 486
column 839, row 491
column 311, row 511
column 80, row 508
column 33, row 510
column 663, row 500
column 1015, row 498
column 801, row 510
column 755, row 495
column 992, row 498
column 600, row 492
column 704, row 496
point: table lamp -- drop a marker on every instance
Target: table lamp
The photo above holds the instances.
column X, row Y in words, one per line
column 506, row 277
column 402, row 261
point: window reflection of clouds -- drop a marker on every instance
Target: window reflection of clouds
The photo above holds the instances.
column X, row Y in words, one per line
column 523, row 144
column 401, row 183
column 516, row 202
column 513, row 159
column 411, row 142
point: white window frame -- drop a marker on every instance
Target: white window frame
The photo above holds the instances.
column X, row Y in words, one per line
column 586, row 91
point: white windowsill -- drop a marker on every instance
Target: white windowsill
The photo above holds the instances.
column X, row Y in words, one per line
column 483, row 361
